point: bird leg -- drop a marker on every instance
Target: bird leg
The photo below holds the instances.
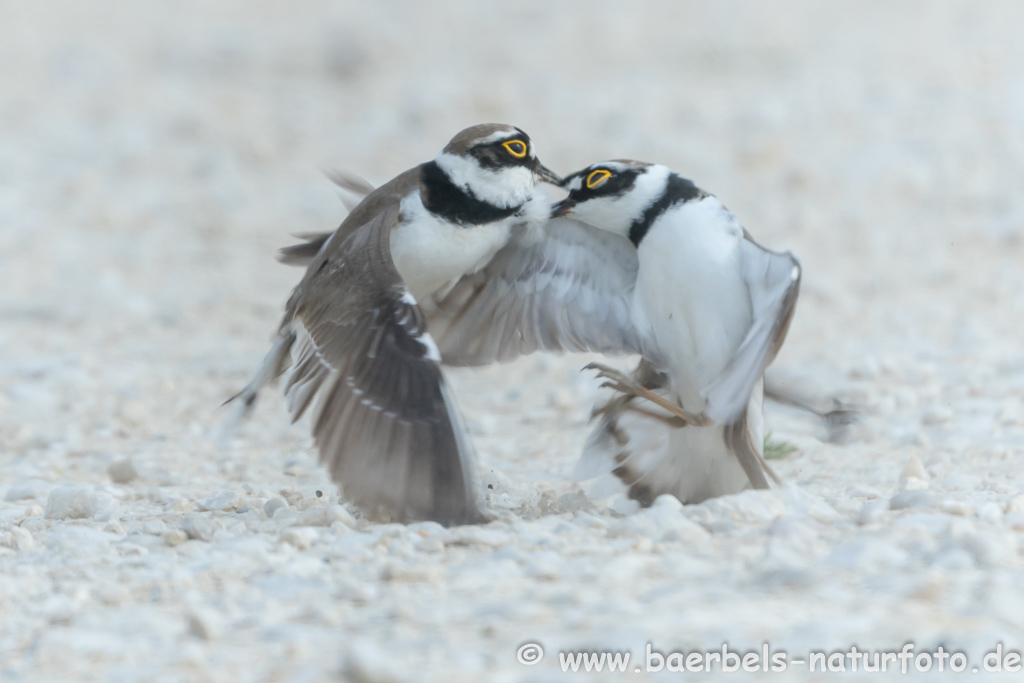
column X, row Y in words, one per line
column 673, row 421
column 836, row 420
column 629, row 386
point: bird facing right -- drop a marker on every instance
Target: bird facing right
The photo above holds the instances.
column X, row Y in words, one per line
column 710, row 308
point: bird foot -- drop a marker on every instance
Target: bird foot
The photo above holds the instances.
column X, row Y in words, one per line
column 630, row 387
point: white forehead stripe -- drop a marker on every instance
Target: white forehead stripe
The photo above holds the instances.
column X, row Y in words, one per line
column 497, row 135
column 616, row 166
column 575, row 184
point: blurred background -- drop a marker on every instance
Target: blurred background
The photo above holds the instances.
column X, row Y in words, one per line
column 153, row 157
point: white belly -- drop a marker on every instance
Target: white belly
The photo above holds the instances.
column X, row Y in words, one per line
column 691, row 300
column 430, row 254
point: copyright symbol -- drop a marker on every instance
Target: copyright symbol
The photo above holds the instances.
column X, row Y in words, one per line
column 530, row 654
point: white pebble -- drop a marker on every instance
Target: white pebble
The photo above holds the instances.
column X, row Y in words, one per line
column 78, row 540
column 18, row 539
column 28, row 489
column 273, row 505
column 914, row 468
column 76, row 502
column 366, row 663
column 204, row 624
column 872, row 511
column 913, row 484
column 122, row 471
column 936, row 415
column 176, row 537
column 301, row 537
column 197, row 528
column 222, row 500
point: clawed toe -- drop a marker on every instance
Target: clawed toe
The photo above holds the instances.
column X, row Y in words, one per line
column 628, row 386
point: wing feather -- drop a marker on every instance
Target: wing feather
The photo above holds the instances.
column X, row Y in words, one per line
column 773, row 280
column 568, row 290
column 384, row 424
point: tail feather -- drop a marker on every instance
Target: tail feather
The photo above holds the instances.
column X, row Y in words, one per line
column 303, row 254
column 274, row 363
column 738, row 440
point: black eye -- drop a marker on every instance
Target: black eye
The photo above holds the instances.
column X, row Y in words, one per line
column 516, row 148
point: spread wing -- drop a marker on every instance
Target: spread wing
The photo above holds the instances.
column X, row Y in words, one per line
column 385, row 424
column 773, row 280
column 357, row 191
column 567, row 289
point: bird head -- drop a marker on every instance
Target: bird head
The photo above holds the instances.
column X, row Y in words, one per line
column 613, row 195
column 495, row 163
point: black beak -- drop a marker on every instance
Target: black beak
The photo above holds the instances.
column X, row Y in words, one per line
column 559, row 209
column 545, row 174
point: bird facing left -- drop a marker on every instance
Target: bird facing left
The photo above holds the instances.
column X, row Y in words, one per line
column 354, row 339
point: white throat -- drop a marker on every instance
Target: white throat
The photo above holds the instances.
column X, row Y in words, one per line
column 617, row 214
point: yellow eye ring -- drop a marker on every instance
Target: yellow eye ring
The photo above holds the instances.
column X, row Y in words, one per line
column 516, row 148
column 597, row 177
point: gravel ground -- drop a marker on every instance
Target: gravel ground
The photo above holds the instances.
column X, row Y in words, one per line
column 153, row 157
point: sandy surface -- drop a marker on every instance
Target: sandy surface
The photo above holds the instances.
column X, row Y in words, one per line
column 153, row 158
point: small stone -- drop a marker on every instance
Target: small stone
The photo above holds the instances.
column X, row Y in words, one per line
column 911, row 499
column 1011, row 413
column 990, row 512
column 349, row 589
column 34, row 523
column 914, row 468
column 76, row 502
column 956, row 507
column 663, row 522
column 913, row 484
column 18, row 539
column 953, row 559
column 197, row 528
column 315, row 516
column 430, row 545
column 273, row 505
column 176, row 537
column 25, row 490
column 340, row 514
column 1014, row 520
column 78, row 540
column 872, row 511
column 1016, row 505
column 411, row 573
column 866, row 369
column 293, row 496
column 479, row 536
column 936, row 415
column 366, row 663
column 155, row 527
column 122, row 471
column 301, row 537
column 222, row 500
column 114, row 527
column 204, row 625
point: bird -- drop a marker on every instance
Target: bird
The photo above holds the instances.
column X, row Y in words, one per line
column 354, row 339
column 712, row 308
column 639, row 260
